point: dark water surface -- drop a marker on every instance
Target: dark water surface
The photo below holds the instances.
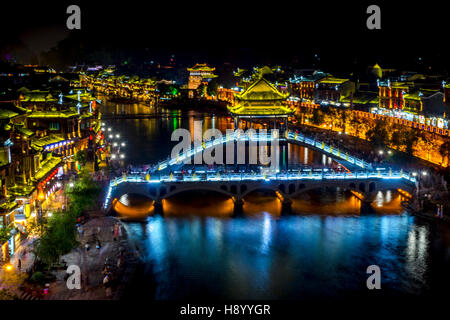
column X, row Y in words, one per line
column 198, row 250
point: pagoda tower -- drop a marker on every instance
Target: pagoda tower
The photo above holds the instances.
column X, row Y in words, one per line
column 262, row 101
column 199, row 74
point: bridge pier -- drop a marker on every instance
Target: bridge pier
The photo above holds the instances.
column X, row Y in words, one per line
column 238, row 207
column 158, row 207
column 366, row 207
column 286, row 207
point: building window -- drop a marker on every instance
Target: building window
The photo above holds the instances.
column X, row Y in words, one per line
column 54, row 126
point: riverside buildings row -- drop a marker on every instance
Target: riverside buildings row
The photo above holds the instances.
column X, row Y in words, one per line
column 45, row 119
column 416, row 100
column 408, row 98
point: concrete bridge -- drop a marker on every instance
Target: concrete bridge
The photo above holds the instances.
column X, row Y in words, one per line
column 160, row 183
column 363, row 184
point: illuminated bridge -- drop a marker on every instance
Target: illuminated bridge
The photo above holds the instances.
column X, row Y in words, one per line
column 160, row 183
column 291, row 137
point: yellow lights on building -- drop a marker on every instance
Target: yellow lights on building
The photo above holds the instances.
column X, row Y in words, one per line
column 261, row 98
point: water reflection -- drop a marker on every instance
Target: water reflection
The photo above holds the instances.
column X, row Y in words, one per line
column 198, row 250
column 266, row 257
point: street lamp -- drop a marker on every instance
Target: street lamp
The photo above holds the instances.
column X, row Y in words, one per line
column 8, row 267
column 424, row 173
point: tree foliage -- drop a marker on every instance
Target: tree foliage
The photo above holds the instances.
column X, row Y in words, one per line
column 317, row 117
column 59, row 236
column 81, row 157
column 5, row 234
column 212, row 87
column 378, row 134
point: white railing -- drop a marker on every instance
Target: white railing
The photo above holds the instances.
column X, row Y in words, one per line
column 215, row 176
column 268, row 137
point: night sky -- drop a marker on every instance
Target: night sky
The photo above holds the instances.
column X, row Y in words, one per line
column 240, row 32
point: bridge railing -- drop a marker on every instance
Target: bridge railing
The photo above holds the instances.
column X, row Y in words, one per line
column 307, row 174
column 329, row 149
column 236, row 136
column 294, row 175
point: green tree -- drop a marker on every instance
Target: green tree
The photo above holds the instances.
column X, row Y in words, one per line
column 58, row 239
column 81, row 157
column 5, row 234
column 378, row 134
column 163, row 88
column 397, row 139
column 83, row 194
column 409, row 140
column 317, row 117
column 59, row 236
column 212, row 87
column 201, row 90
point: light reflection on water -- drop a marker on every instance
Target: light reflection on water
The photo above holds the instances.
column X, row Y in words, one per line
column 271, row 258
column 322, row 250
column 262, row 255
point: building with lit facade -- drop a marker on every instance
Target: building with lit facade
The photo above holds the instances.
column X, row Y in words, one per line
column 304, row 86
column 392, row 93
column 261, row 100
column 199, row 74
column 330, row 90
column 40, row 130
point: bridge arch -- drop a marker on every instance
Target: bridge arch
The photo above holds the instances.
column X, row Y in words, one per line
column 181, row 189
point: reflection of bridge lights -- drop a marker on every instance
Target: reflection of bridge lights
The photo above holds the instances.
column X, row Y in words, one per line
column 115, row 144
column 110, row 136
column 109, row 129
column 123, row 144
column 122, row 156
column 113, row 156
column 117, row 135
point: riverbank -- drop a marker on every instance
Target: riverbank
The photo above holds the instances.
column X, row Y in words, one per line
column 413, row 209
column 116, row 254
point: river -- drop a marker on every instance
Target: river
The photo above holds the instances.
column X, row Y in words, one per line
column 321, row 250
